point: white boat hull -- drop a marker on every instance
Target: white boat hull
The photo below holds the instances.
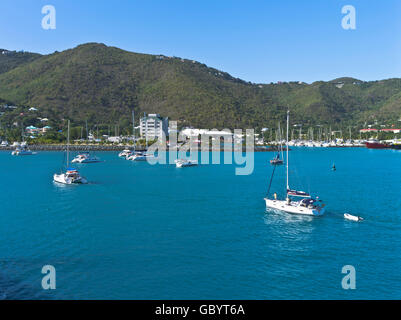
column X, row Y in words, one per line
column 185, row 163
column 22, row 153
column 352, row 218
column 124, row 153
column 88, row 160
column 293, row 208
column 62, row 178
column 140, row 157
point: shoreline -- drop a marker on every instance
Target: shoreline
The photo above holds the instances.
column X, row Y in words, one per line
column 62, row 147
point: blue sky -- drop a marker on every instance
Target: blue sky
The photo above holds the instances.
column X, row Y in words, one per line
column 258, row 41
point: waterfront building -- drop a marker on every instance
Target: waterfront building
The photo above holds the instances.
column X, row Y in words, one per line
column 153, row 126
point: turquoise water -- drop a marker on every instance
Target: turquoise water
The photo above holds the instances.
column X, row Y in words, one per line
column 156, row 232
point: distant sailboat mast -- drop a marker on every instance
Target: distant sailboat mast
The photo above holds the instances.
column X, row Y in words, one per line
column 87, row 133
column 68, row 143
column 288, row 118
column 146, row 131
column 133, row 128
column 281, row 141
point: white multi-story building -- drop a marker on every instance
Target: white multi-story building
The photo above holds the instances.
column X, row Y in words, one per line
column 153, row 126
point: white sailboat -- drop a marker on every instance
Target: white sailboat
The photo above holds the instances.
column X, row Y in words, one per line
column 71, row 175
column 305, row 206
column 22, row 149
column 277, row 160
column 124, row 153
column 85, row 157
column 141, row 155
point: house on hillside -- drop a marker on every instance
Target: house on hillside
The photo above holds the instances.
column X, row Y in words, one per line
column 32, row 129
column 45, row 129
column 391, row 130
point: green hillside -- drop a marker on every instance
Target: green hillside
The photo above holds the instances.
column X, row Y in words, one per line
column 12, row 59
column 103, row 84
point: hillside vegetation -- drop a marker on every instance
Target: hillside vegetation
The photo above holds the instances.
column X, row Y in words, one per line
column 103, row 84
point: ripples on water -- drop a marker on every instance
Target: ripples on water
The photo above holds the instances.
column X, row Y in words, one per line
column 156, row 232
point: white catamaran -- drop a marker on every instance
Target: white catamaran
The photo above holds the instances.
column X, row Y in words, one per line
column 71, row 176
column 305, row 206
column 85, row 157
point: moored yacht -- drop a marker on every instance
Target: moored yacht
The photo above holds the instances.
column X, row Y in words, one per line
column 376, row 144
column 181, row 163
column 305, row 206
column 124, row 153
column 277, row 160
column 22, row 150
column 85, row 157
column 139, row 156
column 71, row 175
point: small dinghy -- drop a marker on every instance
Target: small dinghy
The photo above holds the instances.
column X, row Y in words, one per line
column 352, row 218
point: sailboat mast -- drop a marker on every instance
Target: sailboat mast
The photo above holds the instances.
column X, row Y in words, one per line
column 68, row 142
column 288, row 120
column 280, row 141
column 146, row 131
column 133, row 124
column 133, row 127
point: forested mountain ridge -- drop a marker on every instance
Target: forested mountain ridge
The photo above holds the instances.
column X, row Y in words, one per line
column 103, row 84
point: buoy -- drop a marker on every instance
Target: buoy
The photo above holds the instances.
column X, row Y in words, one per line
column 352, row 218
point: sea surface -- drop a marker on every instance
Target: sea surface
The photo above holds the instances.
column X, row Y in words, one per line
column 141, row 231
